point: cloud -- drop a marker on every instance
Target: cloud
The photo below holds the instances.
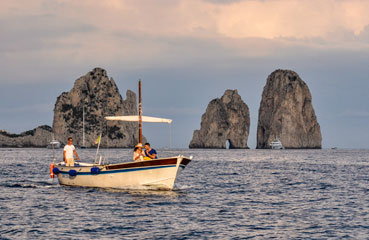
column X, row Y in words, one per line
column 364, row 34
column 39, row 32
column 196, row 18
column 300, row 19
column 136, row 34
column 297, row 19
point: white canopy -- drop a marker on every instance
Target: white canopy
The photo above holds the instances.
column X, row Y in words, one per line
column 135, row 118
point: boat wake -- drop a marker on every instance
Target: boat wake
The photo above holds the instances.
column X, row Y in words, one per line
column 29, row 184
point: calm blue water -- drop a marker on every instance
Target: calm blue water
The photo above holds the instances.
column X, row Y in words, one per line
column 222, row 194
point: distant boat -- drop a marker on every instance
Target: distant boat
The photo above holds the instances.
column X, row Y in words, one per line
column 276, row 144
column 54, row 144
column 147, row 174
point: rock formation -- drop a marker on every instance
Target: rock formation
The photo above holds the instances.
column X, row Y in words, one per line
column 38, row 137
column 225, row 119
column 286, row 112
column 100, row 97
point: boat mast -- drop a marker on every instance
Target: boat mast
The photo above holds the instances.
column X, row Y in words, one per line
column 83, row 124
column 139, row 112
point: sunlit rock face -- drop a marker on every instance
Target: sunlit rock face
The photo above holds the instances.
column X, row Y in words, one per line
column 226, row 120
column 38, row 137
column 99, row 97
column 286, row 112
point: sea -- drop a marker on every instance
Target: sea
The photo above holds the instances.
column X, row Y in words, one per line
column 221, row 194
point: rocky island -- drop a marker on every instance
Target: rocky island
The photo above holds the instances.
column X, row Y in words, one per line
column 225, row 119
column 38, row 137
column 286, row 112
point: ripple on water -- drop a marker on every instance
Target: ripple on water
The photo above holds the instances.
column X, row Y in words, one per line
column 222, row 194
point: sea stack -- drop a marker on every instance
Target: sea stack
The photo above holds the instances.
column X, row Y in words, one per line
column 97, row 96
column 286, row 112
column 225, row 119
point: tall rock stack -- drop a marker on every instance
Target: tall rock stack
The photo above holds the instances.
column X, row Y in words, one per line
column 225, row 119
column 100, row 97
column 286, row 112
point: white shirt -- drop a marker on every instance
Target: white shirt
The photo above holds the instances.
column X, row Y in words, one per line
column 69, row 149
column 135, row 154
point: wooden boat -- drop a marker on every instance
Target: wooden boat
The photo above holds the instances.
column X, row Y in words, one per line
column 158, row 174
column 148, row 174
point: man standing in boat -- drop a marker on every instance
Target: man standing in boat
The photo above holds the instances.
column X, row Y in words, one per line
column 150, row 153
column 69, row 149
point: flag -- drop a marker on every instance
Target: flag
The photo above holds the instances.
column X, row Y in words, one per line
column 98, row 140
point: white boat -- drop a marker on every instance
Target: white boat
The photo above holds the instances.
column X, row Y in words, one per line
column 276, row 144
column 148, row 174
column 53, row 144
column 158, row 174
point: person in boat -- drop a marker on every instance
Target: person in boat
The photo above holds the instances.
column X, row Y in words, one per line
column 69, row 150
column 150, row 153
column 138, row 155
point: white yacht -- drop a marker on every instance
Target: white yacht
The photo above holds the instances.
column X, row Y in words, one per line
column 54, row 144
column 276, row 144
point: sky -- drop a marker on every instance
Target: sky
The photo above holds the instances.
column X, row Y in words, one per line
column 187, row 52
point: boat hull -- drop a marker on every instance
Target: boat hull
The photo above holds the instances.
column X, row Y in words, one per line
column 151, row 174
column 277, row 147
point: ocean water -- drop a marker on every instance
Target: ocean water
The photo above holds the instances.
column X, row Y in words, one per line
column 222, row 194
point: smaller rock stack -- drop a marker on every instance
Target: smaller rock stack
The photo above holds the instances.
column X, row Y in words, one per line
column 225, row 119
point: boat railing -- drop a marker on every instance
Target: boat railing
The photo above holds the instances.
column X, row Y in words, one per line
column 102, row 160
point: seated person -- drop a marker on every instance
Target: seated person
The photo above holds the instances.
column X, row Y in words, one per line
column 137, row 153
column 150, row 153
